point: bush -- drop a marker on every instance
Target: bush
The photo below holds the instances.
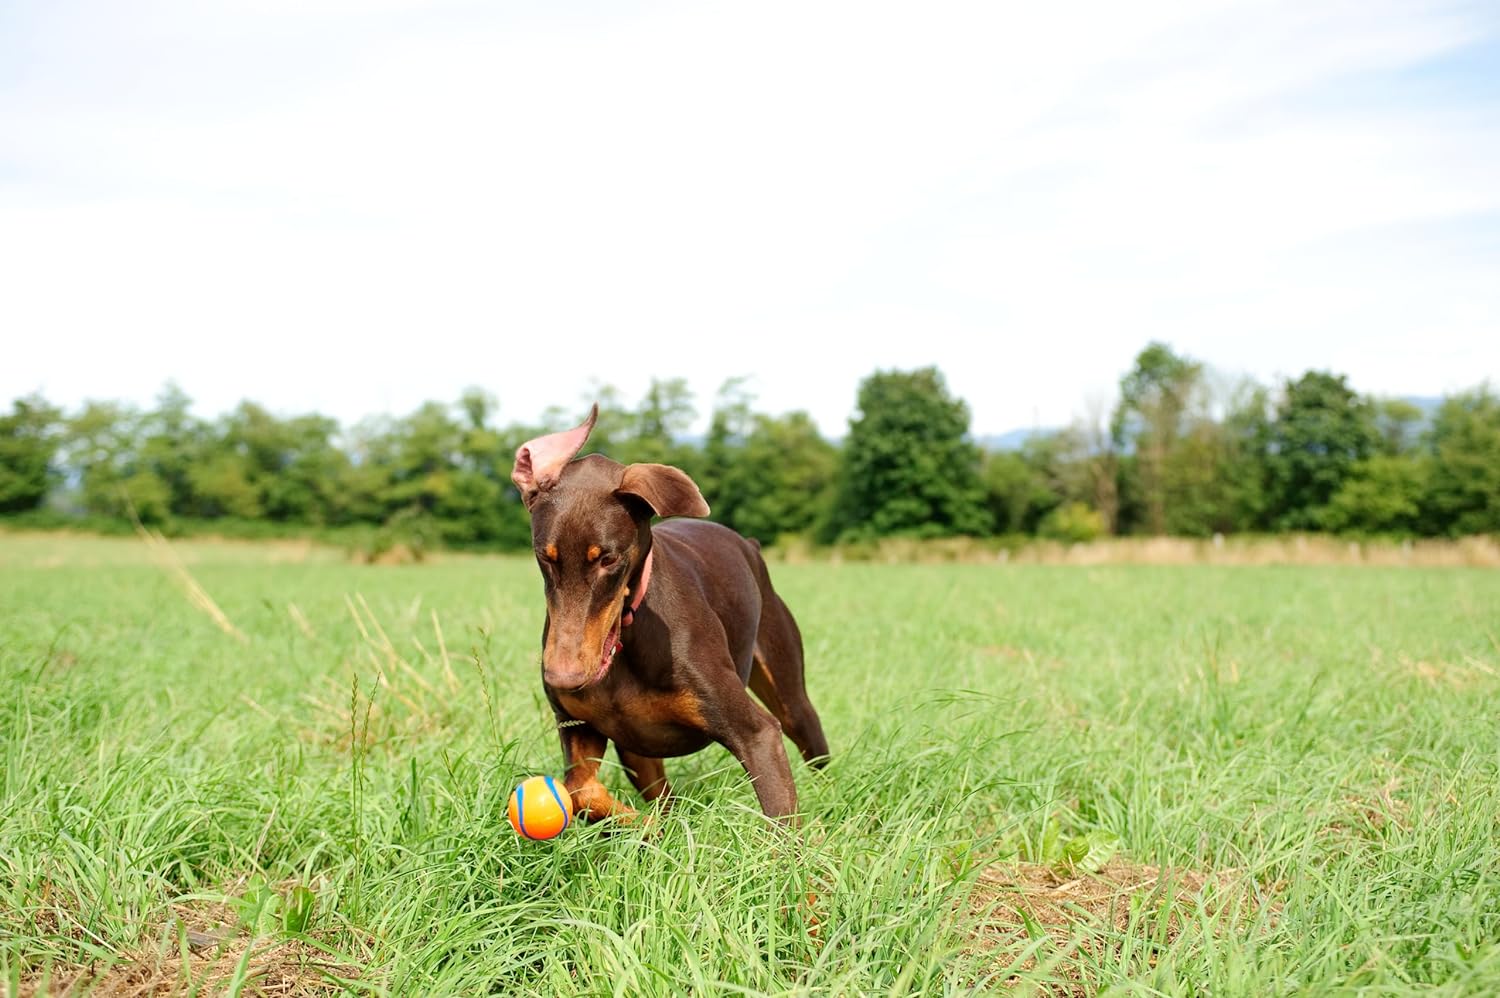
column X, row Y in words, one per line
column 1382, row 495
column 1073, row 522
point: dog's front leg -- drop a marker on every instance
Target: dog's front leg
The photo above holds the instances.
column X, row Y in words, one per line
column 583, row 751
column 753, row 736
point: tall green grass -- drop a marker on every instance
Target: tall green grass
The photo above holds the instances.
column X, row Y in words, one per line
column 1314, row 749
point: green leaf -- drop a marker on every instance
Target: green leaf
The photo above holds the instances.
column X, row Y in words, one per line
column 1090, row 852
column 1033, row 930
column 258, row 908
column 1050, row 849
column 299, row 910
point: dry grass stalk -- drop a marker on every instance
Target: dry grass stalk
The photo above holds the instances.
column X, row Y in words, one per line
column 300, row 619
column 162, row 553
column 411, row 699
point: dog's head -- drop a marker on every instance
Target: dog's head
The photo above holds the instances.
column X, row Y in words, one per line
column 591, row 531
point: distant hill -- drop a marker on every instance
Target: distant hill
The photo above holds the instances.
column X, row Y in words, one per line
column 1012, row 439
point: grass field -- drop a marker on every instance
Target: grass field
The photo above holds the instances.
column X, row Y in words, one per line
column 1267, row 779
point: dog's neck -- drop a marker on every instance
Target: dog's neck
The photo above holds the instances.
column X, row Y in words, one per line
column 639, row 592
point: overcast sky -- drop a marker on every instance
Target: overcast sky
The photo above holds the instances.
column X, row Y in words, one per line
column 353, row 207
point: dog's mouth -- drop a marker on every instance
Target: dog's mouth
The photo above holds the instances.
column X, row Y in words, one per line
column 607, row 652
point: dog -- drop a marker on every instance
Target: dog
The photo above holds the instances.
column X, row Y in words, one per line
column 653, row 632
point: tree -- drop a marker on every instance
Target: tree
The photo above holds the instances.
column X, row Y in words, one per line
column 482, row 498
column 1155, row 399
column 723, row 449
column 1381, row 495
column 364, row 488
column 1321, row 431
column 1096, row 455
column 28, row 444
column 311, row 463
column 1464, row 488
column 172, row 442
column 781, row 480
column 1017, row 490
column 615, row 426
column 1399, row 424
column 663, row 417
column 907, row 465
column 1247, row 435
column 1199, row 501
column 100, row 445
column 222, row 487
column 292, row 466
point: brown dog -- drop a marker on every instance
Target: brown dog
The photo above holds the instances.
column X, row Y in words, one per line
column 653, row 633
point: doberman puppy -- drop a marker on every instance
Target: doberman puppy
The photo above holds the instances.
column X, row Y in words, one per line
column 653, row 633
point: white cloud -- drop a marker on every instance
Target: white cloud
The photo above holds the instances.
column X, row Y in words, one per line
column 352, row 208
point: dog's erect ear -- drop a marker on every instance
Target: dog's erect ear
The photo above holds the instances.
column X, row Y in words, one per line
column 539, row 462
column 668, row 491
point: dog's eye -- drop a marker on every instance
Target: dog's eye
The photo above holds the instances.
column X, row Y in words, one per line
column 608, row 561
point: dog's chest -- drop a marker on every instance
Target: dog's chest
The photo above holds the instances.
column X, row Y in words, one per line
column 656, row 723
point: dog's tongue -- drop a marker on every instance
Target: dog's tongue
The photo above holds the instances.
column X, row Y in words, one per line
column 612, row 647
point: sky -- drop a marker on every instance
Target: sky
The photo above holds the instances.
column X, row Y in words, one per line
column 354, row 206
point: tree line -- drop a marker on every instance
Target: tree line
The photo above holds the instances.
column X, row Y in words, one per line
column 1184, row 451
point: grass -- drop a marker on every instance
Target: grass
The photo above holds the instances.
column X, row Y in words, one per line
column 1292, row 772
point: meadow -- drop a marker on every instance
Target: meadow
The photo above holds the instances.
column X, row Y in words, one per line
column 236, row 768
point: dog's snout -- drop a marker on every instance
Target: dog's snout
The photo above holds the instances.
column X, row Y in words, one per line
column 579, row 649
column 571, row 677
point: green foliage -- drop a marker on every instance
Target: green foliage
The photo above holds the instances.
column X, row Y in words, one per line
column 1322, row 430
column 1017, row 490
column 780, row 481
column 1383, row 494
column 263, row 911
column 652, row 433
column 99, row 444
column 292, row 464
column 1197, row 490
column 1067, row 854
column 1399, row 423
column 222, row 487
column 28, row 443
column 1246, row 439
column 729, row 426
column 1464, row 491
column 908, row 466
column 171, row 442
column 144, row 495
column 1156, row 409
column 1072, row 522
column 1185, row 452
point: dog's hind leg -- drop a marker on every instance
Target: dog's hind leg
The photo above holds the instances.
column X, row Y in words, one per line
column 776, row 677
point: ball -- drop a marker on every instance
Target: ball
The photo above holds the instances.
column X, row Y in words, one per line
column 540, row 808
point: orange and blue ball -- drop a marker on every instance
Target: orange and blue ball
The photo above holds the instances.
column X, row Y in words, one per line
column 540, row 808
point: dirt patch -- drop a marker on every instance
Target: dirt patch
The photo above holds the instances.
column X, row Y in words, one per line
column 1445, row 674
column 200, row 949
column 1036, row 918
column 395, row 554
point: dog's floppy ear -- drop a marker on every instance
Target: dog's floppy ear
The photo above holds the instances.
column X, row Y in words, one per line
column 667, row 490
column 539, row 462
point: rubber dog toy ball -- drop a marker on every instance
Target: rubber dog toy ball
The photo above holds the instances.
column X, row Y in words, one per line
column 540, row 808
